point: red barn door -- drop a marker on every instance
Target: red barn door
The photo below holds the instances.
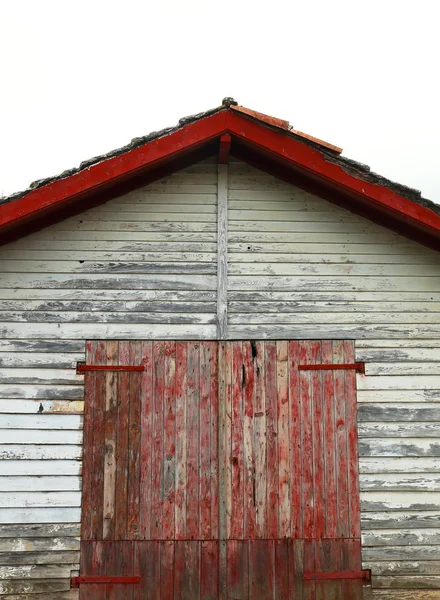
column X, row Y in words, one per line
column 220, row 470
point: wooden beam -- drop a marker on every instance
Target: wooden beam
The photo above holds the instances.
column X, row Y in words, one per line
column 224, row 149
column 222, row 251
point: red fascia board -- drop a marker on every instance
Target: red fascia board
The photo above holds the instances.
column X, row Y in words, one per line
column 109, row 171
column 313, row 162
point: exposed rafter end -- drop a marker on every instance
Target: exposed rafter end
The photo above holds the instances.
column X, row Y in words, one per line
column 224, row 149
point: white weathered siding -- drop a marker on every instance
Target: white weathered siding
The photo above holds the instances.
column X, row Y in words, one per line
column 143, row 265
column 301, row 267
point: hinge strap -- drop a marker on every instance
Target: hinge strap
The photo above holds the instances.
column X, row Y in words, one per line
column 76, row 581
column 359, row 366
column 365, row 575
column 83, row 368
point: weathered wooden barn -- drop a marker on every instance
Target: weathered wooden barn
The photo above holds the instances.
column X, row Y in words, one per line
column 220, row 373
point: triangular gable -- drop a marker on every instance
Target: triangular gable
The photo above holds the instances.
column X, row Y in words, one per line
column 265, row 142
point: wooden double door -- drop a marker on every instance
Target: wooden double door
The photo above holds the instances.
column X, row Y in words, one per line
column 220, row 470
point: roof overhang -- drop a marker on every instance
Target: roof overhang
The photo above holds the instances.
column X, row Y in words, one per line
column 267, row 144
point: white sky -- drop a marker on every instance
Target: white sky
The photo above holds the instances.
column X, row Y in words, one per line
column 81, row 78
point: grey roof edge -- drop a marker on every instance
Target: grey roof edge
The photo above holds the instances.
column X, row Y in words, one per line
column 352, row 167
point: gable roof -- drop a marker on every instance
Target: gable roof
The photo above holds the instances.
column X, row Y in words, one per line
column 265, row 142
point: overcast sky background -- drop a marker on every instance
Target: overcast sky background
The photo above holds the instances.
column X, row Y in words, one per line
column 81, row 78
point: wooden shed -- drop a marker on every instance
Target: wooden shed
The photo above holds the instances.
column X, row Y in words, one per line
column 220, row 374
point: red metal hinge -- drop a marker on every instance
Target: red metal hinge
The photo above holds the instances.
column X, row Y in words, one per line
column 83, row 368
column 365, row 575
column 76, row 581
column 358, row 366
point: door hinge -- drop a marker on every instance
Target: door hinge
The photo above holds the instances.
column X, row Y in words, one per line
column 81, row 367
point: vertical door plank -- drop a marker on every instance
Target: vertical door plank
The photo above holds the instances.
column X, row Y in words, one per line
column 261, row 569
column 318, row 444
column 134, row 444
column 98, row 444
column 351, row 561
column 169, row 442
column 96, row 591
column 329, row 441
column 309, row 587
column 192, row 445
column 283, row 439
column 147, row 566
column 249, row 513
column 342, row 528
column 87, row 470
column 108, row 559
column 227, row 464
column 181, row 407
column 214, row 439
column 157, row 458
column 282, row 570
column 352, row 443
column 237, row 474
column 124, row 565
column 307, row 441
column 205, row 443
column 209, row 570
column 167, row 569
column 146, row 441
column 296, row 442
column 260, row 442
column 190, row 585
column 271, row 437
column 238, row 569
column 296, row 569
column 327, row 557
column 122, row 450
column 110, row 444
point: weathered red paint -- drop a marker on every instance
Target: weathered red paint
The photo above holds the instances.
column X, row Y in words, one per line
column 258, row 139
column 224, row 149
column 292, row 493
column 83, row 368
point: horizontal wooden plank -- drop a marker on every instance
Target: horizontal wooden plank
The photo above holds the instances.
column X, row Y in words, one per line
column 246, row 256
column 394, row 396
column 307, row 269
column 401, row 594
column 345, row 296
column 40, row 359
column 99, row 306
column 407, row 581
column 402, row 354
column 399, row 447
column 333, row 317
column 399, row 430
column 34, row 586
column 208, row 234
column 393, row 464
column 40, row 467
column 401, row 537
column 70, row 595
column 102, row 331
column 292, row 225
column 406, row 368
column 49, row 452
column 393, row 344
column 42, row 346
column 390, row 553
column 39, row 499
column 37, row 571
column 39, row 544
column 51, row 391
column 53, row 530
column 293, row 306
column 416, row 567
column 324, row 283
column 91, row 256
column 41, row 376
column 194, row 222
column 104, row 295
column 398, row 520
column 403, row 382
column 40, row 436
column 45, row 248
column 14, row 483
column 40, row 421
column 400, row 482
column 398, row 501
column 56, row 407
column 414, row 412
column 330, row 331
column 180, row 205
column 39, row 558
column 168, row 318
column 103, row 281
column 107, row 267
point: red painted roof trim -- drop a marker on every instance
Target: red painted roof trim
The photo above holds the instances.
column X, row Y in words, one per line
column 269, row 137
